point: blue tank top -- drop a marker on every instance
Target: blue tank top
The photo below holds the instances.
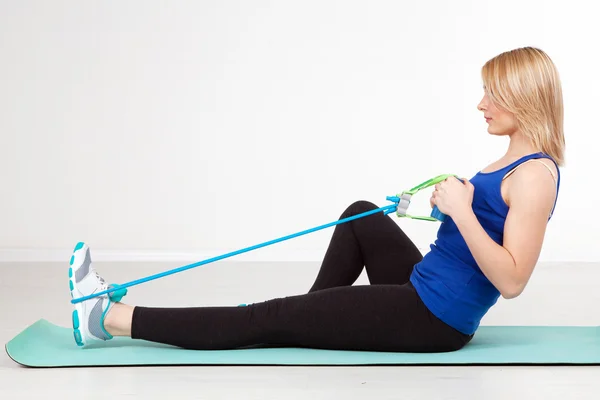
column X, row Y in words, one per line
column 448, row 279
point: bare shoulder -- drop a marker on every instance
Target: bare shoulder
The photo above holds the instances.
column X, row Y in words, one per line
column 533, row 182
column 549, row 163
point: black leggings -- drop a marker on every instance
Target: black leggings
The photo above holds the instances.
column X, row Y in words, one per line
column 387, row 315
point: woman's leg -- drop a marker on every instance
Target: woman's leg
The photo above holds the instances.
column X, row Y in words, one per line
column 374, row 242
column 372, row 318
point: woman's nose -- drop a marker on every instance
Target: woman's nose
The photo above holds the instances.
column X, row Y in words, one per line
column 482, row 105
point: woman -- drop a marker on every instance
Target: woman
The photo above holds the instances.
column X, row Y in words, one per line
column 486, row 248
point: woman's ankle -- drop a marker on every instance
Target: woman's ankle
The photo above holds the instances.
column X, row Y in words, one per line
column 117, row 321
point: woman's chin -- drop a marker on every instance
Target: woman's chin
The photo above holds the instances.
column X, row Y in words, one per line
column 495, row 132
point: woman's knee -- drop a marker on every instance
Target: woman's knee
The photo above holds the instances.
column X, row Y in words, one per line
column 359, row 207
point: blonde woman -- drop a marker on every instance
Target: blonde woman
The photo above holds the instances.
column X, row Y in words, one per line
column 487, row 247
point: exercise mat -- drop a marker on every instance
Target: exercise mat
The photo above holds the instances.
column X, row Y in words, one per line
column 44, row 344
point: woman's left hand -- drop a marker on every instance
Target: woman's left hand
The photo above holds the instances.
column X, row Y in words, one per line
column 453, row 197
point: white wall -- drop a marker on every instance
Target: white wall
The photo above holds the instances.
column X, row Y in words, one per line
column 193, row 128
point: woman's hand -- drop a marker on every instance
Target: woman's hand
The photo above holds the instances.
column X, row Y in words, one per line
column 453, row 197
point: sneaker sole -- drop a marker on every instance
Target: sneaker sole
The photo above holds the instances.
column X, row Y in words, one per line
column 79, row 338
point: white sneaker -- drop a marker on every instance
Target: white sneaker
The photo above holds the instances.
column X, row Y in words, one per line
column 88, row 315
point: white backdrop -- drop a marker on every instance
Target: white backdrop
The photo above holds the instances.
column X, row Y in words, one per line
column 187, row 129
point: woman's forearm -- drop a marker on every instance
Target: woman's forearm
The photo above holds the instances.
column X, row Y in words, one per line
column 496, row 263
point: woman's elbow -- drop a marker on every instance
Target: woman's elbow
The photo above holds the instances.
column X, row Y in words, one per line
column 513, row 291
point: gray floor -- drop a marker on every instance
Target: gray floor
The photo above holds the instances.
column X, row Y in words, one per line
column 40, row 290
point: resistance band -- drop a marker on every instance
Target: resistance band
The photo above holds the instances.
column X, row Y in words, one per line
column 400, row 206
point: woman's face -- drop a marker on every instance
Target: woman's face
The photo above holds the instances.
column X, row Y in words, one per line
column 500, row 122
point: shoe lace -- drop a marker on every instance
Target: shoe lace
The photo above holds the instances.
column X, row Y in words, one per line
column 101, row 280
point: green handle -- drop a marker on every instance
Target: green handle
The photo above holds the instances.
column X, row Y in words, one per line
column 428, row 183
column 424, row 185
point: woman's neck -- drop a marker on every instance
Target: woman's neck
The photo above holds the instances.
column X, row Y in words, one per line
column 519, row 146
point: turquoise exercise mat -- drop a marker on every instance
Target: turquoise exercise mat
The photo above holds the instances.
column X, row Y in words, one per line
column 44, row 344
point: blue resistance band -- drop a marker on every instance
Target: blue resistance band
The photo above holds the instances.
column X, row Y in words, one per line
column 403, row 198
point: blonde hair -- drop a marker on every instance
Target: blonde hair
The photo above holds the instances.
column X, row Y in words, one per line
column 525, row 82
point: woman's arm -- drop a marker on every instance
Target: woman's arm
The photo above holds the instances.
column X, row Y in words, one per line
column 530, row 195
